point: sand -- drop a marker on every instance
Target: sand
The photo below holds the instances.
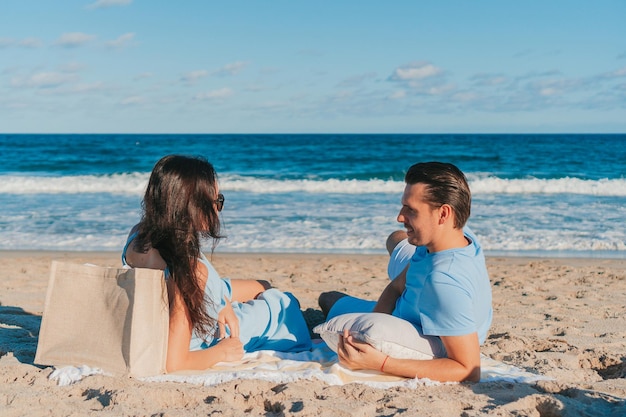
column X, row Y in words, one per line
column 562, row 318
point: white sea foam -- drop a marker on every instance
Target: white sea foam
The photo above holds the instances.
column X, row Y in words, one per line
column 510, row 216
column 602, row 187
column 271, row 237
column 135, row 183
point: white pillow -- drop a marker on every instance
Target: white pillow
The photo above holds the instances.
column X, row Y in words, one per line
column 389, row 334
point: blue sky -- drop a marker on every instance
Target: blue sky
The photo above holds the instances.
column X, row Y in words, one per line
column 139, row 66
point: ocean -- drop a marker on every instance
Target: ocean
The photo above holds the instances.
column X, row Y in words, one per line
column 533, row 195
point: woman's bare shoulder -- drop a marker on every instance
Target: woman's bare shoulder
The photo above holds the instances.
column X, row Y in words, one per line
column 151, row 258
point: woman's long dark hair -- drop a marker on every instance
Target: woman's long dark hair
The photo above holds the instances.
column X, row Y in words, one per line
column 179, row 211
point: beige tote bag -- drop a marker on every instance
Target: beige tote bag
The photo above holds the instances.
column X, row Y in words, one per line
column 110, row 318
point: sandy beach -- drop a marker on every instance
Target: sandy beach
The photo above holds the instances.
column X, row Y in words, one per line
column 561, row 318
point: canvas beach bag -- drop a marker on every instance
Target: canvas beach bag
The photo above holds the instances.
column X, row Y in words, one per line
column 109, row 318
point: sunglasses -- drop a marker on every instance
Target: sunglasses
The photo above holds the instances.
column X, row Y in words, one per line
column 219, row 202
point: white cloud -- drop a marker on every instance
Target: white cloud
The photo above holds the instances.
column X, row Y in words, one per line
column 22, row 43
column 269, row 70
column 256, row 88
column 44, row 80
column 133, row 101
column 439, row 89
column 74, row 39
column 6, row 42
column 397, row 95
column 618, row 73
column 534, row 74
column 73, row 67
column 489, row 80
column 143, row 76
column 30, row 43
column 357, row 80
column 9, row 70
column 342, row 95
column 556, row 87
column 415, row 71
column 230, row 69
column 548, row 91
column 465, row 96
column 87, row 88
column 122, row 41
column 102, row 4
column 16, row 105
column 193, row 76
column 74, row 88
column 220, row 94
column 268, row 106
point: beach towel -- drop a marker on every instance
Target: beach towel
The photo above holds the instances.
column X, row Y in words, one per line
column 320, row 363
column 108, row 318
column 89, row 328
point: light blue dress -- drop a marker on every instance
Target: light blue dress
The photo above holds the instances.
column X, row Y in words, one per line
column 273, row 321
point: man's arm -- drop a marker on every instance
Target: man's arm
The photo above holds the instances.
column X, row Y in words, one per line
column 462, row 363
column 387, row 300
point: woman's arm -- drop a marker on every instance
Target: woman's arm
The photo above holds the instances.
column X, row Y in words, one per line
column 179, row 356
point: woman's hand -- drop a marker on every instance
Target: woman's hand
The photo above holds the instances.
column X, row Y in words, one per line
column 358, row 355
column 227, row 317
column 231, row 349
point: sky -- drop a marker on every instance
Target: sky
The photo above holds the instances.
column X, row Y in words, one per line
column 201, row 66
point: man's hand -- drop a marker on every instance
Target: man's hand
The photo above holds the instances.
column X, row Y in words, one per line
column 358, row 355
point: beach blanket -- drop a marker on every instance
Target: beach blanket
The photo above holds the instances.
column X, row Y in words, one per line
column 320, row 363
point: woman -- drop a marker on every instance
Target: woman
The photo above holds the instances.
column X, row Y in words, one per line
column 212, row 319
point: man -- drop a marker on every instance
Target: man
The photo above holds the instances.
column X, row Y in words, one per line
column 443, row 288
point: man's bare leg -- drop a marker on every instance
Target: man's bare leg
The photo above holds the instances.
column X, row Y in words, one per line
column 395, row 238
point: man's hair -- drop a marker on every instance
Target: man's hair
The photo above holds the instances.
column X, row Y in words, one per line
column 445, row 184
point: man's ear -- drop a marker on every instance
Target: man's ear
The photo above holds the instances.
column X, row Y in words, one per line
column 445, row 213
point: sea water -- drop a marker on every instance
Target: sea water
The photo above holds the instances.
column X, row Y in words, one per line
column 540, row 195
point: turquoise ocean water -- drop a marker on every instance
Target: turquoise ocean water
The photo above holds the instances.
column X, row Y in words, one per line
column 546, row 195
